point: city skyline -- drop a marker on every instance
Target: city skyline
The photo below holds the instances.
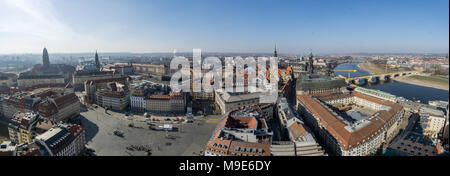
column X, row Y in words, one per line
column 296, row 27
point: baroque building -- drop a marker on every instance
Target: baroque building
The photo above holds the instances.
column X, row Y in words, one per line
column 46, row 73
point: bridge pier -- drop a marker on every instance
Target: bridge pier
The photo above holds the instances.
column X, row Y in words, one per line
column 378, row 77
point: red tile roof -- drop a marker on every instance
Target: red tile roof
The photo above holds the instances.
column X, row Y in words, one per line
column 98, row 81
column 241, row 122
column 229, row 147
column 336, row 127
column 75, row 129
column 39, row 86
column 297, row 129
column 172, row 95
column 66, row 100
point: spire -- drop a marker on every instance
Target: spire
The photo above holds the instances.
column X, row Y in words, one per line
column 311, row 63
column 45, row 58
column 275, row 54
column 97, row 62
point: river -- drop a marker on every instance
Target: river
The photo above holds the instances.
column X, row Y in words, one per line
column 401, row 89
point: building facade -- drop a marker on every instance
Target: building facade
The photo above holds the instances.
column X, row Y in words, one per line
column 151, row 69
column 228, row 102
column 342, row 137
column 172, row 103
column 81, row 76
column 114, row 100
column 31, row 80
column 62, row 140
column 21, row 127
column 92, row 86
column 59, row 106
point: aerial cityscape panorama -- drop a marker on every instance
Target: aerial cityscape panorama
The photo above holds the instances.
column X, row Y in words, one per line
column 224, row 78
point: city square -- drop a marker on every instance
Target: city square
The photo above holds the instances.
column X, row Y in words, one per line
column 188, row 140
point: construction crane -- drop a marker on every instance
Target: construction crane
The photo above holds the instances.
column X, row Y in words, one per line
column 346, row 71
column 386, row 69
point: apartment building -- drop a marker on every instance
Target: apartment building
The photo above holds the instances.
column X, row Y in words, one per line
column 115, row 100
column 81, row 76
column 58, row 106
column 124, row 69
column 241, row 133
column 92, row 86
column 228, row 101
column 62, row 140
column 28, row 149
column 139, row 92
column 172, row 103
column 21, row 127
column 19, row 102
column 151, row 69
column 137, row 101
column 55, row 101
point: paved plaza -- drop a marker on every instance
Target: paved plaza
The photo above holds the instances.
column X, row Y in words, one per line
column 189, row 138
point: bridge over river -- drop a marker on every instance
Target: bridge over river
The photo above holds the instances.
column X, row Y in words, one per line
column 378, row 77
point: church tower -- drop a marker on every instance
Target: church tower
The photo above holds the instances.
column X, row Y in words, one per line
column 311, row 63
column 275, row 52
column 97, row 62
column 45, row 59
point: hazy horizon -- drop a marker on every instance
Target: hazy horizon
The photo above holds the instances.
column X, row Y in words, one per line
column 213, row 52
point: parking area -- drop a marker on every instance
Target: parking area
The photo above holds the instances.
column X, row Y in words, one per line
column 137, row 139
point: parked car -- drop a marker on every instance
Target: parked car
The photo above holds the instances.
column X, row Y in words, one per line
column 118, row 133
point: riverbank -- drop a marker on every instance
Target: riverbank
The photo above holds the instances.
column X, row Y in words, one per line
column 422, row 82
column 427, row 81
column 372, row 68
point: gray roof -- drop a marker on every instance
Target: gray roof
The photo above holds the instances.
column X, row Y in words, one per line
column 284, row 106
column 311, row 82
column 236, row 97
column 23, row 76
column 92, row 72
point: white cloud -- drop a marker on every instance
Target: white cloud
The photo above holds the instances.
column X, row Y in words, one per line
column 29, row 25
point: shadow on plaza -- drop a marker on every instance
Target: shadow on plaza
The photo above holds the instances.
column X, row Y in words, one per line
column 91, row 128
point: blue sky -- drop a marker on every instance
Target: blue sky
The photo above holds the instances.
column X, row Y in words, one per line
column 333, row 26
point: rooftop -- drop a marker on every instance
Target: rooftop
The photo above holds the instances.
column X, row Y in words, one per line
column 348, row 133
column 248, row 122
column 309, row 82
column 236, row 97
column 7, row 146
